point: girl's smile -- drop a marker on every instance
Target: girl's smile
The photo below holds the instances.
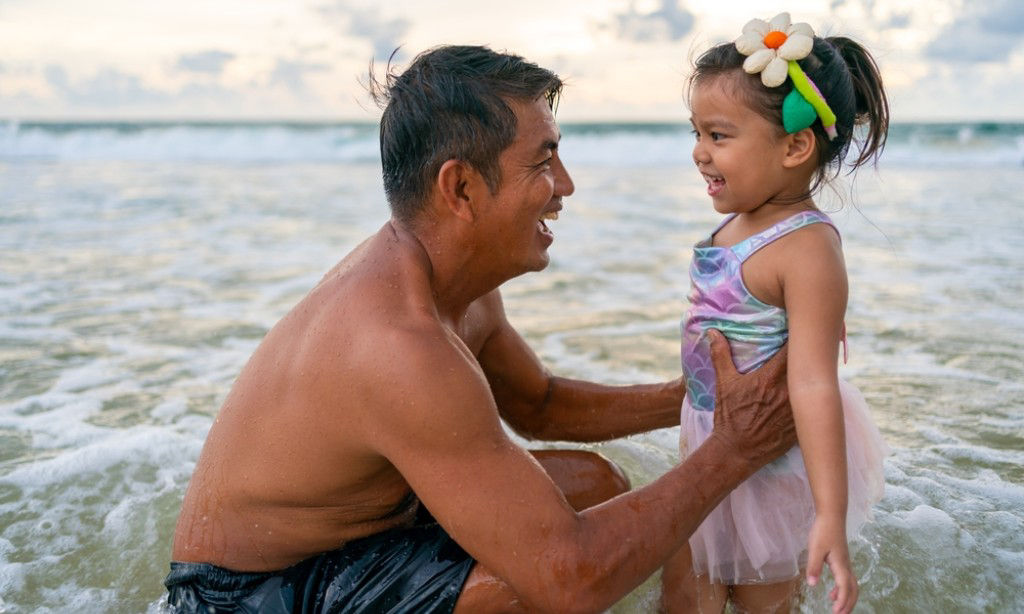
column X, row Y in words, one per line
column 715, row 183
column 738, row 152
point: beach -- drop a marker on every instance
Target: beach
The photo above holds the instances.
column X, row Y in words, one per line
column 143, row 262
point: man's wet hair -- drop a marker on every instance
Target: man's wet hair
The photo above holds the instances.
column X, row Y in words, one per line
column 452, row 102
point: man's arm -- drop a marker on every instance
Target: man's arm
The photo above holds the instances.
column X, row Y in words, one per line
column 538, row 405
column 434, row 418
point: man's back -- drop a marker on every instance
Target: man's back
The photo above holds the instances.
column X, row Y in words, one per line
column 288, row 470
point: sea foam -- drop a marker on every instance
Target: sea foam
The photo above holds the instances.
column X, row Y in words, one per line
column 594, row 145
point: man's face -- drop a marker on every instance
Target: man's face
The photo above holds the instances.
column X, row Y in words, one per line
column 533, row 182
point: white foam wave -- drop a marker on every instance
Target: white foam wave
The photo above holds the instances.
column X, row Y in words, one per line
column 242, row 143
column 633, row 146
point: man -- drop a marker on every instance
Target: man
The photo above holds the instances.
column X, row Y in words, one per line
column 374, row 407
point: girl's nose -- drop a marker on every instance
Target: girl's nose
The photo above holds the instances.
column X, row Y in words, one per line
column 700, row 155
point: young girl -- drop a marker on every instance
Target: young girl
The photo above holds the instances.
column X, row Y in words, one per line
column 774, row 115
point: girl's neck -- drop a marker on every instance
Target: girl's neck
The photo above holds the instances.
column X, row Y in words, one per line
column 749, row 223
column 776, row 210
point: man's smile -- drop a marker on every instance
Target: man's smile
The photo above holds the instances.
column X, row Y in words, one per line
column 550, row 214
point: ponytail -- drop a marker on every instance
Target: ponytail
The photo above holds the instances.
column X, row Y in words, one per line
column 871, row 104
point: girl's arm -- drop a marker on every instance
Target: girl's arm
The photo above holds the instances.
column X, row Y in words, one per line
column 815, row 291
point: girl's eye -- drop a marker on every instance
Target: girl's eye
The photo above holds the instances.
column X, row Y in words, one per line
column 715, row 136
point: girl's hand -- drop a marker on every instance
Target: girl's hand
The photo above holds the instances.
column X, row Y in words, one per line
column 827, row 544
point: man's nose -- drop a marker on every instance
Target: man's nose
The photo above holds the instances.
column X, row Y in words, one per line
column 563, row 182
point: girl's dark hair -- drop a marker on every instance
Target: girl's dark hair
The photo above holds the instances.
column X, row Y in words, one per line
column 849, row 81
column 452, row 102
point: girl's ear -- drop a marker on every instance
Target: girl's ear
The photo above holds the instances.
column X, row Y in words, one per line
column 800, row 147
column 456, row 182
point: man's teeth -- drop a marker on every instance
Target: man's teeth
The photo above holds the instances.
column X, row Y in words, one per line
column 550, row 215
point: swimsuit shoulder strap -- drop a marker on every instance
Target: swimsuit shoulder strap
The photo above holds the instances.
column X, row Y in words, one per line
column 722, row 224
column 709, row 240
column 747, row 247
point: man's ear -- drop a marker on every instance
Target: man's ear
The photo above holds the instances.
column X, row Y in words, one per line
column 457, row 183
column 800, row 147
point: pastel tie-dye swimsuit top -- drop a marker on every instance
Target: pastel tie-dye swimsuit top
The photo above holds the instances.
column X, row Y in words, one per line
column 719, row 299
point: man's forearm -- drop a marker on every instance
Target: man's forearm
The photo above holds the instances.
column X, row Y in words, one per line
column 575, row 410
column 633, row 534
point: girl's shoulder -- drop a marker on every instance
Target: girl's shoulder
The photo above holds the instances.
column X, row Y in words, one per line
column 809, row 246
column 812, row 258
column 803, row 250
column 793, row 232
column 816, row 230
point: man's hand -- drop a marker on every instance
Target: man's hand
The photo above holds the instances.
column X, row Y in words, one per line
column 752, row 412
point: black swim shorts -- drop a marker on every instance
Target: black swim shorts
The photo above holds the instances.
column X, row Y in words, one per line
column 412, row 569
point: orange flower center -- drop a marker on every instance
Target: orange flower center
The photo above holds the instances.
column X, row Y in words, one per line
column 774, row 40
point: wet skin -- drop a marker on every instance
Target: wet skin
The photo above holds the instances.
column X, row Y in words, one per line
column 396, row 372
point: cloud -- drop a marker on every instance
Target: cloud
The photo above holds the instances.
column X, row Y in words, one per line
column 57, row 77
column 209, row 62
column 899, row 21
column 292, row 73
column 670, row 23
column 987, row 32
column 1005, row 17
column 367, row 23
column 109, row 87
column 869, row 5
column 111, row 92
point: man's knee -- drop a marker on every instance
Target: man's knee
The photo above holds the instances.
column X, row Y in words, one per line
column 586, row 478
column 608, row 473
column 485, row 593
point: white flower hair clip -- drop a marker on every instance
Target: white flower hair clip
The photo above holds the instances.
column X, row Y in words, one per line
column 772, row 49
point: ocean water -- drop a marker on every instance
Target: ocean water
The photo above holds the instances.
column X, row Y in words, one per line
column 142, row 263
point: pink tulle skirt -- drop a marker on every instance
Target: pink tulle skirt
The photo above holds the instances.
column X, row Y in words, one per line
column 758, row 534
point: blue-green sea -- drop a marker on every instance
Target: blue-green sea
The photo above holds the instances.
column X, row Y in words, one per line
column 142, row 263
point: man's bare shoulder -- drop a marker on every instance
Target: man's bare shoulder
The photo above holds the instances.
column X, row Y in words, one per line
column 382, row 292
column 330, row 349
column 382, row 284
column 375, row 311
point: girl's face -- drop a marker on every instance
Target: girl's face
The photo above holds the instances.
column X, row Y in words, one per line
column 738, row 152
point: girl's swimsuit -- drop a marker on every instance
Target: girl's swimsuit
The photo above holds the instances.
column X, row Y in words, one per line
column 758, row 534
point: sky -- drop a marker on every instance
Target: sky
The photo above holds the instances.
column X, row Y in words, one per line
column 623, row 60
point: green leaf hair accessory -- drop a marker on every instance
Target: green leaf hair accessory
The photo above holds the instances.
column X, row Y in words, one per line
column 797, row 113
column 810, row 93
column 772, row 49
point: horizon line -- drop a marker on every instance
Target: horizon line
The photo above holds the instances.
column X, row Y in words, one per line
column 6, row 119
